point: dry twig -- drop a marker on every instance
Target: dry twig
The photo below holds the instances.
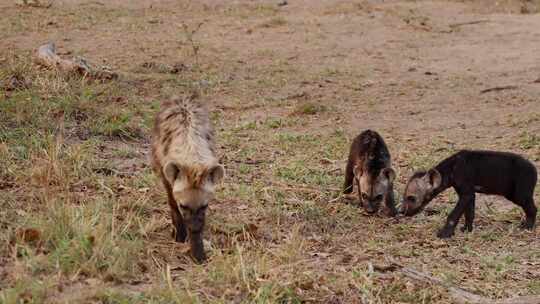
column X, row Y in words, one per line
column 508, row 87
column 35, row 3
column 456, row 25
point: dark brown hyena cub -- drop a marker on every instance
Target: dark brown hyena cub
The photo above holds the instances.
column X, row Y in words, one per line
column 471, row 172
column 183, row 156
column 369, row 166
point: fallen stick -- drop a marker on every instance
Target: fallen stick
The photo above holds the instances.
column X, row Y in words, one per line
column 508, row 87
column 46, row 55
column 455, row 25
column 34, row 3
column 460, row 296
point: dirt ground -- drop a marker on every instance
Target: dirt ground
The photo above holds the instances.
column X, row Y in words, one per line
column 288, row 86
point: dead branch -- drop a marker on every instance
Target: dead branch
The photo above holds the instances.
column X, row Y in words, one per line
column 35, row 3
column 508, row 87
column 456, row 25
column 460, row 296
column 46, row 55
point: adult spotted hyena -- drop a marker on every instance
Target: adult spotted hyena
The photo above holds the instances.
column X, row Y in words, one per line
column 183, row 156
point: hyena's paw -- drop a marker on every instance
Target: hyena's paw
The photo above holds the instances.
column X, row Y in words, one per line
column 466, row 228
column 445, row 233
column 527, row 225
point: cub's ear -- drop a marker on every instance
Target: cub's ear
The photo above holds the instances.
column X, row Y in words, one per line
column 171, row 171
column 216, row 174
column 357, row 170
column 389, row 173
column 434, row 178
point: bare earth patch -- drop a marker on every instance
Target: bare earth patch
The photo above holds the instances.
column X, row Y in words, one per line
column 83, row 221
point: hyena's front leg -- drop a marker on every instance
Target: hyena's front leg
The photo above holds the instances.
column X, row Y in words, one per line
column 349, row 178
column 179, row 228
column 389, row 204
column 469, row 217
column 465, row 198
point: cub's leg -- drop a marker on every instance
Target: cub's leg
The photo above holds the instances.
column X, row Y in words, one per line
column 179, row 228
column 465, row 199
column 523, row 197
column 469, row 217
column 530, row 212
column 349, row 177
column 390, row 208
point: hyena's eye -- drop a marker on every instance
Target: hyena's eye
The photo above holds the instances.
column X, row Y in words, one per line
column 378, row 197
column 364, row 196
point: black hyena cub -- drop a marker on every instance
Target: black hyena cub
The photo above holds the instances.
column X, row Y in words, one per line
column 369, row 166
column 471, row 172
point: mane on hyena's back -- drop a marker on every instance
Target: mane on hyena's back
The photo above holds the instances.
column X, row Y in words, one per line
column 183, row 133
column 377, row 155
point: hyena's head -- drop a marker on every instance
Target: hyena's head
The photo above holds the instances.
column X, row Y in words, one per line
column 192, row 188
column 419, row 191
column 374, row 189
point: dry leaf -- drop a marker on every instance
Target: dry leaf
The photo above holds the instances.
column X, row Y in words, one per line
column 29, row 235
column 252, row 228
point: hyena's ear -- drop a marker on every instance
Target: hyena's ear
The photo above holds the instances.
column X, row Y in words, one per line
column 434, row 178
column 389, row 174
column 216, row 173
column 171, row 172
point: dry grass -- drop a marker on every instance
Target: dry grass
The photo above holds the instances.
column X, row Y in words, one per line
column 83, row 221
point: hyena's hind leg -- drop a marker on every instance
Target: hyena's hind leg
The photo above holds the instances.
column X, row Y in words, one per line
column 349, row 177
column 179, row 228
column 530, row 214
column 527, row 203
column 523, row 197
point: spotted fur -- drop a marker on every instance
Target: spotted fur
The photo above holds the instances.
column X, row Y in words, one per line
column 369, row 167
column 184, row 157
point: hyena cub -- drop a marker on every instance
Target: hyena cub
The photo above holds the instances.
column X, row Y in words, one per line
column 183, row 156
column 471, row 172
column 369, row 166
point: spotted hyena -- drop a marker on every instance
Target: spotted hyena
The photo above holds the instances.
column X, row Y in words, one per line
column 369, row 167
column 184, row 157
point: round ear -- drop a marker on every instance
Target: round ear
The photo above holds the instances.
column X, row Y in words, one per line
column 435, row 178
column 389, row 173
column 216, row 174
column 170, row 171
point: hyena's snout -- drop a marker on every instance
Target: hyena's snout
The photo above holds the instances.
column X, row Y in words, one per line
column 371, row 207
column 371, row 204
column 407, row 209
column 195, row 222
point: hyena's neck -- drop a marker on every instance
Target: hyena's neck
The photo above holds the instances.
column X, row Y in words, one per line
column 445, row 168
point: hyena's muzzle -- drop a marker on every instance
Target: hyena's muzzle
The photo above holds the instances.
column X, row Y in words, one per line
column 194, row 221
